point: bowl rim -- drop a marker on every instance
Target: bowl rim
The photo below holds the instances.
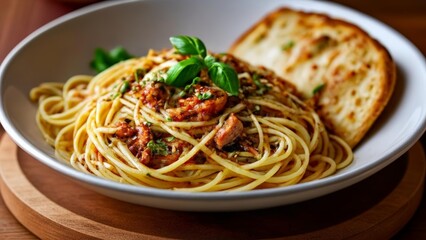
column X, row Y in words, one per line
column 55, row 164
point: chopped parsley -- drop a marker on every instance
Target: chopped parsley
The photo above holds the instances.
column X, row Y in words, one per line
column 188, row 88
column 155, row 76
column 169, row 139
column 287, row 46
column 262, row 88
column 204, row 96
column 158, row 147
column 124, row 87
column 139, row 73
column 317, row 89
column 114, row 95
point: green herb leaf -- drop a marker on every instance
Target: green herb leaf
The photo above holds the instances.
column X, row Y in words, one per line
column 158, row 147
column 125, row 87
column 184, row 71
column 114, row 95
column 119, row 54
column 139, row 73
column 188, row 88
column 204, row 96
column 103, row 59
column 182, row 94
column 262, row 88
column 209, row 60
column 194, row 81
column 318, row 89
column 225, row 77
column 188, row 45
column 169, row 139
column 288, row 45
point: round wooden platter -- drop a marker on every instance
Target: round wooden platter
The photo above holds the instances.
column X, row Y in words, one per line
column 54, row 207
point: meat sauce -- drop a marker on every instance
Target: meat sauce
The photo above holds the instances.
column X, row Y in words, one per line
column 201, row 101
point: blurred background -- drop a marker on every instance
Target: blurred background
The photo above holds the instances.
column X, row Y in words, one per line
column 18, row 18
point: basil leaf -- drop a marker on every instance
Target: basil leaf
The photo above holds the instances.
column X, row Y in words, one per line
column 225, row 77
column 188, row 45
column 103, row 59
column 119, row 54
column 184, row 71
column 209, row 60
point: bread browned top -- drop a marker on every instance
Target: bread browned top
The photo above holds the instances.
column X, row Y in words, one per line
column 351, row 74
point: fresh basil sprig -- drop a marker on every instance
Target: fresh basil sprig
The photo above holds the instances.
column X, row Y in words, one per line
column 187, row 45
column 182, row 73
column 224, row 76
column 209, row 60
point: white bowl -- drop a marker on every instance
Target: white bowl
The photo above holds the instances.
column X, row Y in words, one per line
column 65, row 46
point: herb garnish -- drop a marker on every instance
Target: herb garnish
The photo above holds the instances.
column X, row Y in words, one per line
column 262, row 88
column 184, row 71
column 139, row 73
column 188, row 88
column 124, row 87
column 288, row 45
column 103, row 59
column 318, row 89
column 223, row 75
column 158, row 147
column 187, row 45
column 169, row 139
column 204, row 96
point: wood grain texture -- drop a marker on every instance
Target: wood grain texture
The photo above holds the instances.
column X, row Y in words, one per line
column 407, row 17
column 20, row 18
column 40, row 197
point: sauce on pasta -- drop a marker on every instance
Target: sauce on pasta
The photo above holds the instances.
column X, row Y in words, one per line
column 127, row 125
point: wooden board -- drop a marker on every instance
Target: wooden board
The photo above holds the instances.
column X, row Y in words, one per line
column 54, row 207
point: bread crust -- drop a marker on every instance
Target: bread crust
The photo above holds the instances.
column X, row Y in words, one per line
column 348, row 104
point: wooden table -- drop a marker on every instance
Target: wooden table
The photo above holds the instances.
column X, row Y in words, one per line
column 18, row 18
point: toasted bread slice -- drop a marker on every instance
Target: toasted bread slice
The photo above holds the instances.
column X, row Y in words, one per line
column 351, row 74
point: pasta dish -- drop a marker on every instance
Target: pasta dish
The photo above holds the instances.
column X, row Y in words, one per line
column 188, row 120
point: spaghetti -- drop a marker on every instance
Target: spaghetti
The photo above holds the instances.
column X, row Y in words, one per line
column 125, row 124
